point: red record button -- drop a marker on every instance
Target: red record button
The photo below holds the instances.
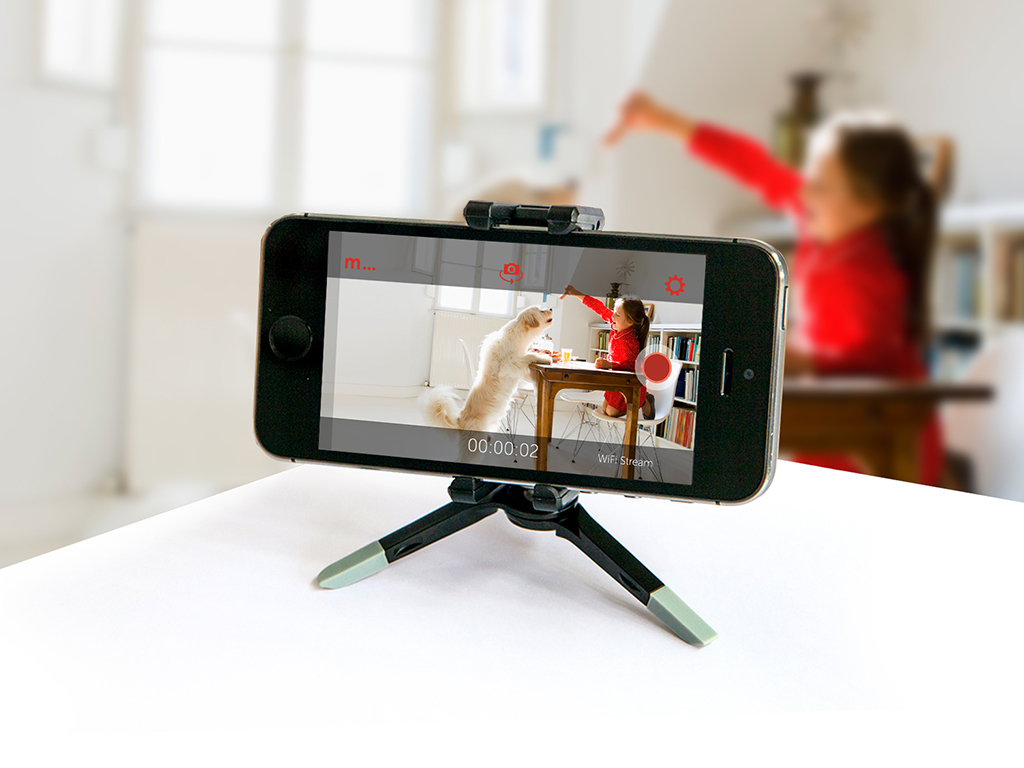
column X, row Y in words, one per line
column 657, row 367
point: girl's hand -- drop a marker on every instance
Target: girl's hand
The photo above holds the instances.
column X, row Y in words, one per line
column 642, row 113
column 569, row 291
column 602, row 363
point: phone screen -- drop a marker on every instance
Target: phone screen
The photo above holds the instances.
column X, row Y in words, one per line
column 465, row 351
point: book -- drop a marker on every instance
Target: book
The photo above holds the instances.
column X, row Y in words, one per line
column 684, row 348
column 686, row 386
column 679, row 427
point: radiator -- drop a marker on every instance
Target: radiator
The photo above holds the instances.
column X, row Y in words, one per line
column 447, row 362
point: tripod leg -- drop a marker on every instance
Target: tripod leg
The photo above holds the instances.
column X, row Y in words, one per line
column 378, row 555
column 600, row 546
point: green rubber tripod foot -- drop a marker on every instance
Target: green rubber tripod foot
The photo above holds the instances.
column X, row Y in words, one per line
column 680, row 618
column 355, row 567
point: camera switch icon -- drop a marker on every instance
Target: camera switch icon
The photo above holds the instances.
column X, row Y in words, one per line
column 511, row 273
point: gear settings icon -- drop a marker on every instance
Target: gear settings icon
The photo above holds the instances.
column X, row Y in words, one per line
column 675, row 291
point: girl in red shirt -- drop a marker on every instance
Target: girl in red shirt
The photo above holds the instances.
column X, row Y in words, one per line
column 630, row 326
column 866, row 222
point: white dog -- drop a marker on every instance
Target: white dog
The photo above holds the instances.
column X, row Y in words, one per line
column 503, row 362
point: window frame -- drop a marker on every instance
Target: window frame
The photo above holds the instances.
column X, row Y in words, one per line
column 290, row 56
column 479, row 268
column 110, row 83
column 483, row 111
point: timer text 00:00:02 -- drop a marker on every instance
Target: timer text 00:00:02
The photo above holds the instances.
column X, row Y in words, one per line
column 502, row 448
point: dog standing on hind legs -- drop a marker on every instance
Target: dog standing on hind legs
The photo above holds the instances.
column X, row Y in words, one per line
column 504, row 361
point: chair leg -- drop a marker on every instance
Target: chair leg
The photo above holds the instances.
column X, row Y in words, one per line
column 569, row 424
column 510, row 424
column 606, row 440
column 526, row 411
column 583, row 410
column 591, row 422
column 650, row 438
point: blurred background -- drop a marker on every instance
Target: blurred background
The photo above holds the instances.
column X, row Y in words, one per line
column 146, row 144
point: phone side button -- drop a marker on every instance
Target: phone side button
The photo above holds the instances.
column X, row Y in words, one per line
column 785, row 306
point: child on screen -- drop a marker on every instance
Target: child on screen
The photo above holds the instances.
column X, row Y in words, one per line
column 628, row 336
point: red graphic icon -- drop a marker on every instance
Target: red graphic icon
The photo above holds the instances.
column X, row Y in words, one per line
column 675, row 291
column 510, row 273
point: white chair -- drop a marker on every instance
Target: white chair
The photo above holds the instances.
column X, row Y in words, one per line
column 520, row 398
column 664, row 400
column 517, row 407
column 991, row 433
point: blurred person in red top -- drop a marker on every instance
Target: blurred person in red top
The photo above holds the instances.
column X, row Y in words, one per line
column 866, row 220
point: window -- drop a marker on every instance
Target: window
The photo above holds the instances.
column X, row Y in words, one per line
column 502, row 55
column 367, row 85
column 480, row 265
column 535, row 267
column 292, row 104
column 80, row 42
column 208, row 102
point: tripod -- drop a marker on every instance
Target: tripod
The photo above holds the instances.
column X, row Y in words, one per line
column 542, row 508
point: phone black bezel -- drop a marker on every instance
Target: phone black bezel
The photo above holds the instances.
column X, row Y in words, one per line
column 735, row 436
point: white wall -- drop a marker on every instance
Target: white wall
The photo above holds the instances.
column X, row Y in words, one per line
column 941, row 66
column 385, row 331
column 62, row 285
column 667, row 312
column 598, row 48
column 953, row 67
column 728, row 62
column 572, row 327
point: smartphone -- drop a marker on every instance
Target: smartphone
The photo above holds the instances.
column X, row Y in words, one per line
column 434, row 347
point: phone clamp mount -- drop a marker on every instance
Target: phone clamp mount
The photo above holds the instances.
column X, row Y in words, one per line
column 558, row 219
column 540, row 508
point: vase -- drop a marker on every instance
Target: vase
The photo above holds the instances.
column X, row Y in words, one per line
column 613, row 295
column 793, row 127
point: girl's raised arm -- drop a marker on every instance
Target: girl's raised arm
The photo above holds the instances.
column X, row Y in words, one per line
column 736, row 155
column 590, row 303
column 748, row 162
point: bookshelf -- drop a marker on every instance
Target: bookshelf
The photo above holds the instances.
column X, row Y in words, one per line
column 977, row 277
column 683, row 342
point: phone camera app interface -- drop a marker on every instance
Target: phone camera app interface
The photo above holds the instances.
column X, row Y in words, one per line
column 547, row 358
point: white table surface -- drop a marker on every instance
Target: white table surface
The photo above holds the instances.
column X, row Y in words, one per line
column 832, row 593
